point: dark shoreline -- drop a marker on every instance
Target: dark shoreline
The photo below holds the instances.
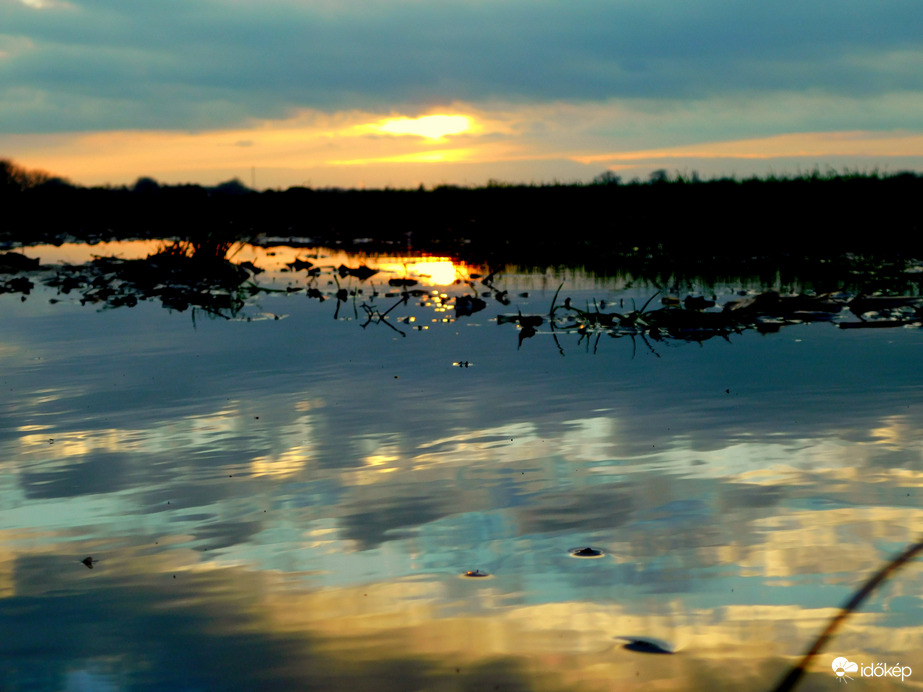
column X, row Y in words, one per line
column 826, row 226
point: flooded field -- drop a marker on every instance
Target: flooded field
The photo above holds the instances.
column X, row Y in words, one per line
column 440, row 476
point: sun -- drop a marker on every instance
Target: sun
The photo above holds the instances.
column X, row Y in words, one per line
column 429, row 126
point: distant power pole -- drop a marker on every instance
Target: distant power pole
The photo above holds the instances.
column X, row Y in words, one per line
column 252, row 177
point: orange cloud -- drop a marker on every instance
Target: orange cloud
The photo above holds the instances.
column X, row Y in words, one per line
column 307, row 140
column 453, row 144
column 855, row 143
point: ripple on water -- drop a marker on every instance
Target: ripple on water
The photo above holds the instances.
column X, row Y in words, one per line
column 586, row 552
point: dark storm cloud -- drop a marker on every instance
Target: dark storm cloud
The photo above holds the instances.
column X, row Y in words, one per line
column 98, row 64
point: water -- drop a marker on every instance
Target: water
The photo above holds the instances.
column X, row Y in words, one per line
column 288, row 501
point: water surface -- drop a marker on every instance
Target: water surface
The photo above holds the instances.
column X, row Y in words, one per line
column 289, row 499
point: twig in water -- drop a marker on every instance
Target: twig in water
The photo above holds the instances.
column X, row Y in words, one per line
column 789, row 681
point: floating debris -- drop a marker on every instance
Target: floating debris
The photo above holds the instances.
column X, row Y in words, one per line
column 361, row 272
column 648, row 645
column 774, row 304
column 200, row 274
column 698, row 303
column 182, row 274
column 586, row 552
column 475, row 574
column 468, row 305
column 879, row 324
column 522, row 320
column 18, row 285
column 259, row 317
column 697, row 318
column 13, row 262
column 862, row 303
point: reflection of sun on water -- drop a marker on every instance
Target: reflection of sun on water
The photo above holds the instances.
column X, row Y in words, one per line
column 440, row 271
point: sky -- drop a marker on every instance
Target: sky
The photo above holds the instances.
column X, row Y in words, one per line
column 375, row 93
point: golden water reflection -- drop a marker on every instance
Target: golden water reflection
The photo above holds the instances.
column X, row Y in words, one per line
column 275, row 255
column 566, row 645
column 438, row 271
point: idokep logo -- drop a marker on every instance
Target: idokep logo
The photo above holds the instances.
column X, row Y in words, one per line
column 843, row 666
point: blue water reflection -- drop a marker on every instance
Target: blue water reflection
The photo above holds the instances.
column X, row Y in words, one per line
column 289, row 503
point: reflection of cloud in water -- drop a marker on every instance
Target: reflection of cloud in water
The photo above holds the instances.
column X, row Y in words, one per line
column 54, row 446
column 591, row 439
column 513, row 442
column 581, row 510
column 214, row 535
column 288, row 463
column 798, row 543
column 895, row 432
column 93, row 473
column 569, row 645
column 372, row 518
column 317, row 509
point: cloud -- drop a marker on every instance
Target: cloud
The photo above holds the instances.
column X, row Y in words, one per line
column 517, row 142
column 789, row 145
column 101, row 64
column 104, row 91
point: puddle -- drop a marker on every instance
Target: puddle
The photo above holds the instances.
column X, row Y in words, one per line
column 285, row 474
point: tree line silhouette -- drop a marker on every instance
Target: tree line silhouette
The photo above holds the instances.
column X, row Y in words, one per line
column 667, row 218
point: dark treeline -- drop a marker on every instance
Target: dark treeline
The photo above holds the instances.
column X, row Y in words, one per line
column 665, row 219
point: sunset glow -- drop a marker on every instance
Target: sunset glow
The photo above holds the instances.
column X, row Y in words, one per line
column 332, row 103
column 429, row 126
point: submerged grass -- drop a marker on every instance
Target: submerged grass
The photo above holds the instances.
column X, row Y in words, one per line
column 208, row 250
